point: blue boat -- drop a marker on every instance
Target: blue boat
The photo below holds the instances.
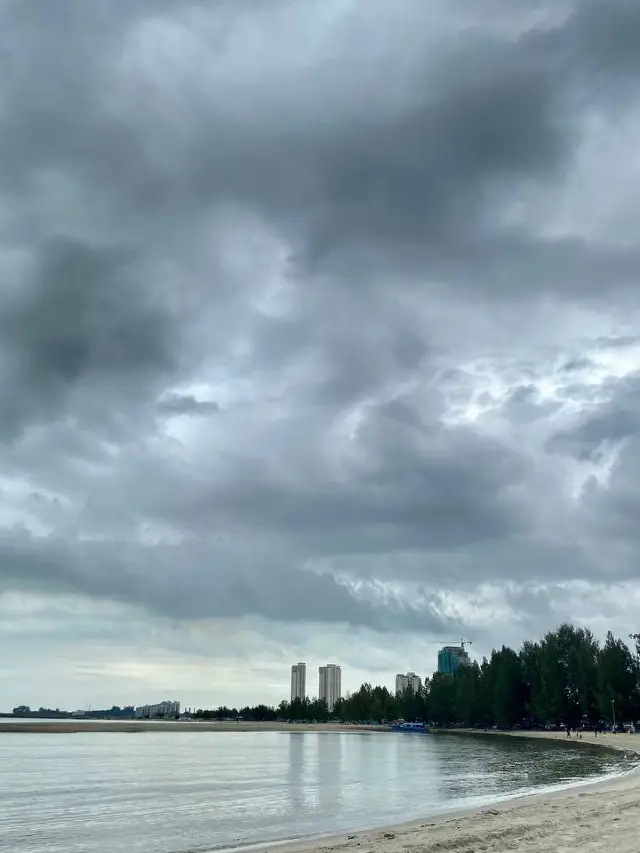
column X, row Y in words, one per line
column 420, row 728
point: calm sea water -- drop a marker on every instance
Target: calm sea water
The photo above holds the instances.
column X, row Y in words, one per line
column 172, row 792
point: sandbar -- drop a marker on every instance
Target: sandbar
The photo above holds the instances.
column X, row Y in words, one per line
column 131, row 726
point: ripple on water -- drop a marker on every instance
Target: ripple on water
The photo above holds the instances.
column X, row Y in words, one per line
column 172, row 792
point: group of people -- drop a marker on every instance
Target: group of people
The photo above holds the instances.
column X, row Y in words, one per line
column 578, row 732
column 597, row 730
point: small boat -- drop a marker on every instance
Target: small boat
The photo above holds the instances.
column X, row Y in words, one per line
column 420, row 728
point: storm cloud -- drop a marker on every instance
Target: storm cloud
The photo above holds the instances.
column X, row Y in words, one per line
column 318, row 318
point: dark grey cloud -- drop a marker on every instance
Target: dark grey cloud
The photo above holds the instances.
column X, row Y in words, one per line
column 605, row 423
column 177, row 582
column 81, row 323
column 343, row 239
column 607, row 36
column 186, row 404
column 577, row 364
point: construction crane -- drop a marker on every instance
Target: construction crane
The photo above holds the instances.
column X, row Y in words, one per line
column 462, row 643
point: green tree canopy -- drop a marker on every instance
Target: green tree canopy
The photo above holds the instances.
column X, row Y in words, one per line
column 566, row 677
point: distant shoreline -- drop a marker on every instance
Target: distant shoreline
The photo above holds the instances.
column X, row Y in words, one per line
column 134, row 726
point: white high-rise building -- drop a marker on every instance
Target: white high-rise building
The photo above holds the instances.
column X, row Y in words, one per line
column 330, row 684
column 299, row 681
column 162, row 709
column 408, row 681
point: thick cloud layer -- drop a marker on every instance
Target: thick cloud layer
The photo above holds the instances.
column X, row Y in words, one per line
column 319, row 314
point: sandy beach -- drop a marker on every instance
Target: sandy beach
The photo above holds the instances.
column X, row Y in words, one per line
column 593, row 818
column 33, row 726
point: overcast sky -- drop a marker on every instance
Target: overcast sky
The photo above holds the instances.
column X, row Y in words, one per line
column 319, row 338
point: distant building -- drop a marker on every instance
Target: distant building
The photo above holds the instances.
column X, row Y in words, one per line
column 451, row 657
column 330, row 684
column 408, row 681
column 163, row 710
column 299, row 681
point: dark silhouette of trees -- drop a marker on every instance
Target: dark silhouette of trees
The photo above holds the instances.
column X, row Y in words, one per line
column 566, row 678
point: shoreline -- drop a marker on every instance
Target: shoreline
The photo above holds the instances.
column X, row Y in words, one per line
column 588, row 815
column 136, row 726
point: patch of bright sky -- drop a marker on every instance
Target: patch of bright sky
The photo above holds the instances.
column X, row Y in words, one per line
column 485, row 604
column 198, row 664
column 598, row 606
column 488, row 384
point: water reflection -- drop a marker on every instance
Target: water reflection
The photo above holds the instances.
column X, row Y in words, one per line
column 329, row 770
column 158, row 792
column 298, row 791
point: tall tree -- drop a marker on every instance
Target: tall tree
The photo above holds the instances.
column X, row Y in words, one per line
column 442, row 694
column 508, row 688
column 566, row 673
column 467, row 703
column 616, row 680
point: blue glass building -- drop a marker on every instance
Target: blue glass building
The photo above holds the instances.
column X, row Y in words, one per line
column 450, row 658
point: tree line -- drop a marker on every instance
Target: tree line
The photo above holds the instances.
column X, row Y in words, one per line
column 115, row 712
column 566, row 678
